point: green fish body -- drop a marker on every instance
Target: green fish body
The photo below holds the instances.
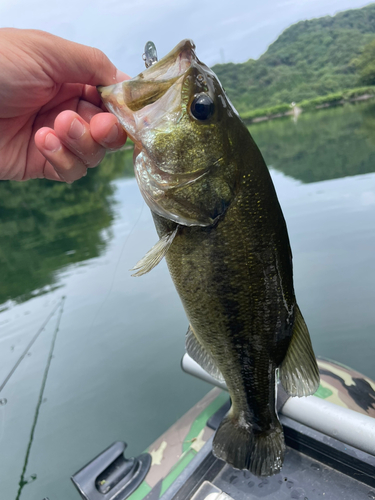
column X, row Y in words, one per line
column 225, row 240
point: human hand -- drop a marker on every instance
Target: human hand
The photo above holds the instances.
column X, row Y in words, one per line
column 52, row 124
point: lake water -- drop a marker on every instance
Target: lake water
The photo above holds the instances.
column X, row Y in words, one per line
column 106, row 365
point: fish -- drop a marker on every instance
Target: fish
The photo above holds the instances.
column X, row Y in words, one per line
column 225, row 240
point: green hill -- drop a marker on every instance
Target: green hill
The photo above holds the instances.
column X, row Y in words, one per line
column 309, row 59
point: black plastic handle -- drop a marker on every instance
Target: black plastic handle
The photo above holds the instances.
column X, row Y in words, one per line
column 110, row 476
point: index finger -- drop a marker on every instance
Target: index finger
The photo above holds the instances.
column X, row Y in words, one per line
column 70, row 62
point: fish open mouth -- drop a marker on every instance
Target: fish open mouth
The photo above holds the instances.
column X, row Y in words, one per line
column 129, row 98
column 151, row 107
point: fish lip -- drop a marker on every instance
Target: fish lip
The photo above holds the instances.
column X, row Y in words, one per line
column 165, row 72
column 184, row 51
column 175, row 63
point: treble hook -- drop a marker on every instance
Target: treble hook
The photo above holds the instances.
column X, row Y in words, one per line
column 150, row 56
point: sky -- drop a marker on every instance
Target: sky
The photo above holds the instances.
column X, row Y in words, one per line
column 223, row 31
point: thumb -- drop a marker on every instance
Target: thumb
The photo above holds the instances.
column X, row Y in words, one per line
column 69, row 62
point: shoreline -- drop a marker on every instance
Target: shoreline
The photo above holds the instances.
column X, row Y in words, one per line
column 299, row 108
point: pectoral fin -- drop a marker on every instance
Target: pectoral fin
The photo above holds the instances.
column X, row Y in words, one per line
column 155, row 255
column 201, row 356
column 299, row 373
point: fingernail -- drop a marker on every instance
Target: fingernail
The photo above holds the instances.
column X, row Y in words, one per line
column 52, row 143
column 76, row 129
column 112, row 134
column 121, row 76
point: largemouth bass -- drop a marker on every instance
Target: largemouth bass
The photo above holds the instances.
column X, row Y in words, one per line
column 225, row 240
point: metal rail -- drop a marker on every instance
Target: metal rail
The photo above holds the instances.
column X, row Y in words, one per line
column 348, row 426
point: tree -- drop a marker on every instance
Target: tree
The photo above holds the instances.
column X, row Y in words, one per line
column 366, row 64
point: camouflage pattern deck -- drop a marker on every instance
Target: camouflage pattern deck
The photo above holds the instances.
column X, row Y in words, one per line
column 174, row 450
column 346, row 387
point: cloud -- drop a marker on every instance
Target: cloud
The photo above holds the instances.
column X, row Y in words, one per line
column 242, row 29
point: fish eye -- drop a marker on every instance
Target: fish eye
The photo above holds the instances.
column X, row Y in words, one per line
column 202, row 107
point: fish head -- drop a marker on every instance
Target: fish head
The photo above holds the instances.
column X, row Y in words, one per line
column 184, row 130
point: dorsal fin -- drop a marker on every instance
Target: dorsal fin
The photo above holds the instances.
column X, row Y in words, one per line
column 200, row 355
column 155, row 255
column 299, row 373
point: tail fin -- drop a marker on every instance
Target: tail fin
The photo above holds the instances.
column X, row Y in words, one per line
column 262, row 453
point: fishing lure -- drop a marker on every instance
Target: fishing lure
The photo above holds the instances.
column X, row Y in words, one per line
column 150, row 55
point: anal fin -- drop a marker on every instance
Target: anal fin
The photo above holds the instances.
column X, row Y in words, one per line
column 299, row 373
column 201, row 356
column 155, row 255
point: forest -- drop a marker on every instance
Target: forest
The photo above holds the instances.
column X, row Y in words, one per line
column 310, row 59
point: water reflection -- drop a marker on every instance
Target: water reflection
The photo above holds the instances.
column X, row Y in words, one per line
column 45, row 226
column 114, row 373
column 322, row 145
